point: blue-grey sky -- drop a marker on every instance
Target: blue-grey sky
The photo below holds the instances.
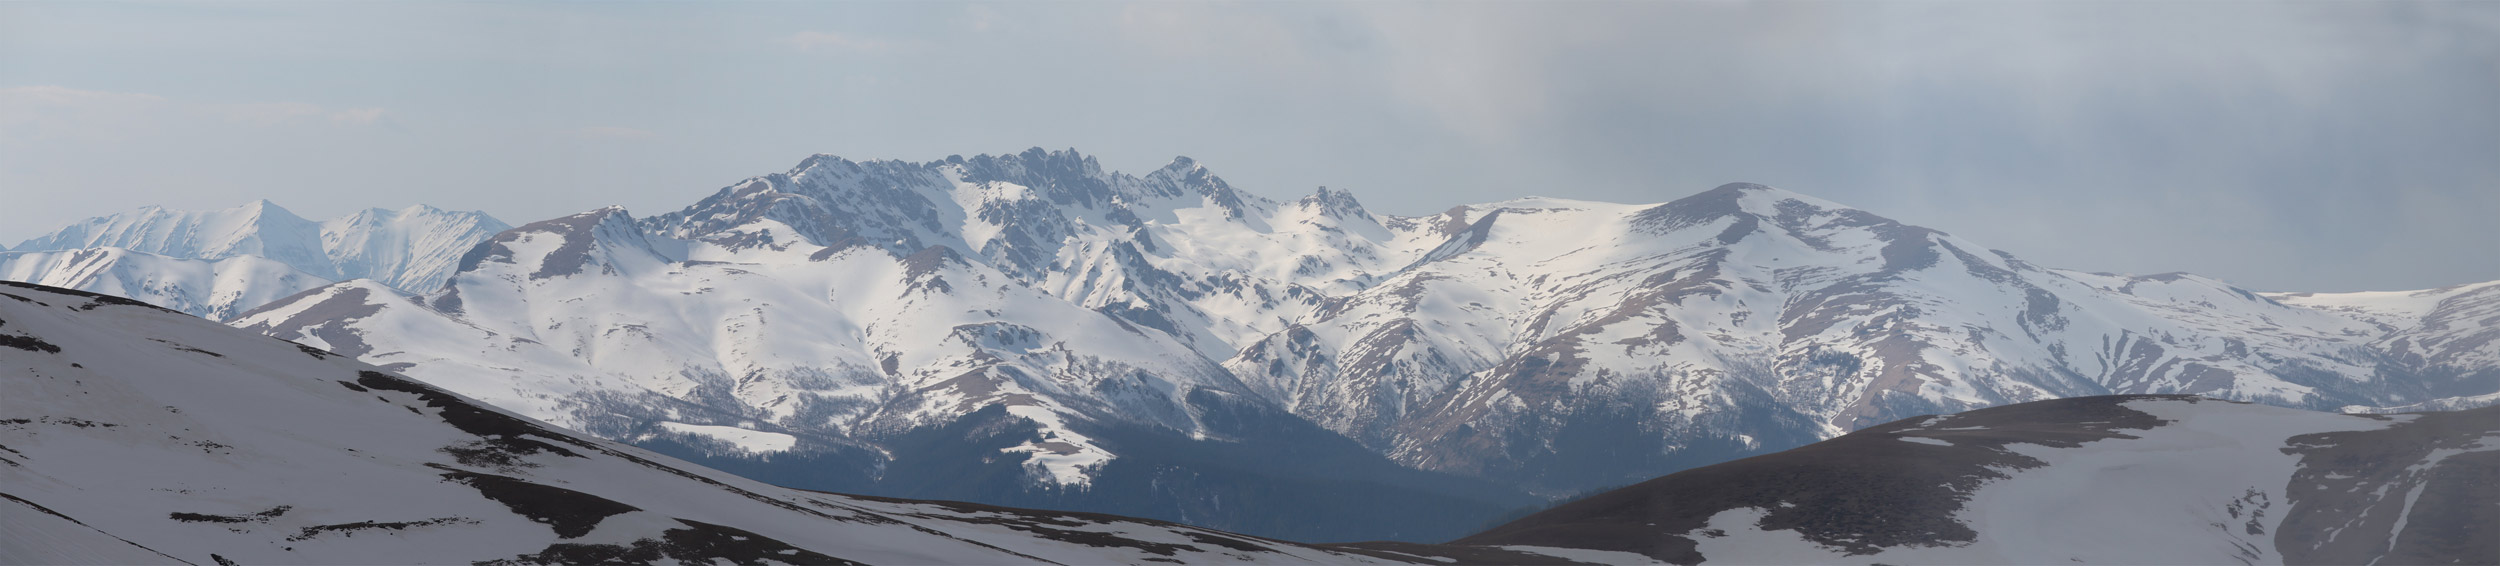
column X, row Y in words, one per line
column 2281, row 146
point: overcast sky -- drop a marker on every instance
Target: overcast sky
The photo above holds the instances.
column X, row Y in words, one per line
column 2282, row 146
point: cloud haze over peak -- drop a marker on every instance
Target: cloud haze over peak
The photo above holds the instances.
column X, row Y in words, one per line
column 2291, row 146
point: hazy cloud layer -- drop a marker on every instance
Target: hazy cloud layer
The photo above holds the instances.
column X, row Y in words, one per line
column 2327, row 146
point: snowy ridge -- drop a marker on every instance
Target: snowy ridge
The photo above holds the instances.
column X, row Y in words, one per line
column 1746, row 316
column 138, row 435
column 411, row 249
column 2446, row 340
column 259, row 228
column 214, row 290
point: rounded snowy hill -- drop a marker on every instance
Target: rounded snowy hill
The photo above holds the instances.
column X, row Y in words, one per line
column 2091, row 480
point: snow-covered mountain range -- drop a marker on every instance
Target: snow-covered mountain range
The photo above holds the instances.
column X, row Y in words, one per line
column 1060, row 335
column 2095, row 480
column 138, row 435
column 2447, row 340
column 755, row 343
column 135, row 435
column 213, row 289
column 160, row 255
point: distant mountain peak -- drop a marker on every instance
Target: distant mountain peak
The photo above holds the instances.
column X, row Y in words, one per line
column 585, row 239
column 411, row 248
column 1335, row 204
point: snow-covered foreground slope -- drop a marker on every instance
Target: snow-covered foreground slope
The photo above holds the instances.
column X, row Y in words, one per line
column 413, row 248
column 131, row 435
column 212, row 289
column 2096, row 480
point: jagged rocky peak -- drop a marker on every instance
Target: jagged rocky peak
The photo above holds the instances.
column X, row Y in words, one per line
column 1015, row 209
column 1334, row 203
column 1070, row 178
column 1190, row 175
column 568, row 245
column 1062, row 177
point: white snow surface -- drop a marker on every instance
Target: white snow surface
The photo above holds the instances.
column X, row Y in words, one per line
column 753, row 442
column 2450, row 332
column 212, row 289
column 412, row 248
column 136, row 435
column 2165, row 497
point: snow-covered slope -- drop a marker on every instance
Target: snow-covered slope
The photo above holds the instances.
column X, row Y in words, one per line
column 765, row 346
column 1560, row 345
column 132, row 434
column 805, row 336
column 2445, row 340
column 209, row 289
column 1748, row 316
column 2097, row 480
column 259, row 228
column 412, row 248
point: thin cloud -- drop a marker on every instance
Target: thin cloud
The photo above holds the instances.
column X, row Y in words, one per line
column 286, row 113
column 24, row 108
column 356, row 116
column 829, row 42
column 983, row 18
column 52, row 113
column 618, row 132
column 61, row 95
